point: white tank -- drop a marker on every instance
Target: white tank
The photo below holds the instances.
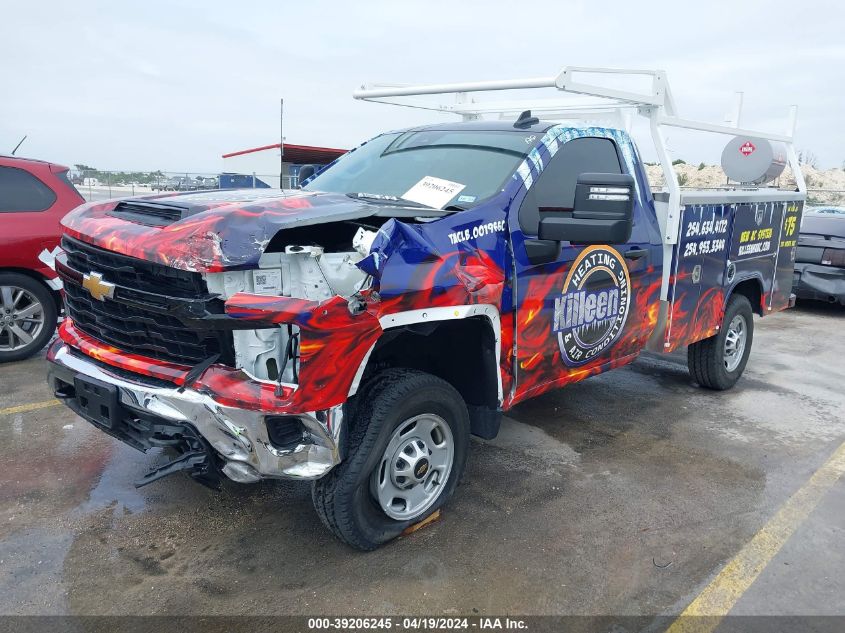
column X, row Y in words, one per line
column 750, row 160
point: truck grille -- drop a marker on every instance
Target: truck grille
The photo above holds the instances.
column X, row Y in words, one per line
column 133, row 273
column 133, row 329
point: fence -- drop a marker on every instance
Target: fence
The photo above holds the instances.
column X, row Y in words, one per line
column 105, row 185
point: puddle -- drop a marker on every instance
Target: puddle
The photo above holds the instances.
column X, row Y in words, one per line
column 116, row 485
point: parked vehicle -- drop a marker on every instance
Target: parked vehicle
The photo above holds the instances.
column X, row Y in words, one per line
column 356, row 332
column 161, row 184
column 34, row 196
column 177, row 183
column 820, row 259
column 186, row 183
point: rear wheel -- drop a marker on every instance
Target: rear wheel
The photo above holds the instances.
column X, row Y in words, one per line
column 718, row 362
column 407, row 449
column 27, row 316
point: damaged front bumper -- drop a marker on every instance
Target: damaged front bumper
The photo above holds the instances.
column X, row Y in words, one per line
column 144, row 412
column 818, row 282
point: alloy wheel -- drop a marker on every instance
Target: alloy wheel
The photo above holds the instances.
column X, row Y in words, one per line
column 21, row 318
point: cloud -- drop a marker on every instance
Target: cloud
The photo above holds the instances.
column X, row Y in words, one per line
column 173, row 85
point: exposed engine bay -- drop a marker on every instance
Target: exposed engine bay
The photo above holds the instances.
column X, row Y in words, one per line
column 299, row 271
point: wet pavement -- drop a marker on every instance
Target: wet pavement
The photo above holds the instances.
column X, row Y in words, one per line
column 622, row 495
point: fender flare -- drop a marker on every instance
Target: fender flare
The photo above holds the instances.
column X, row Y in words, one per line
column 755, row 276
column 444, row 313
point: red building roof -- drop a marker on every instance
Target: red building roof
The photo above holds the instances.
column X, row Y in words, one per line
column 299, row 154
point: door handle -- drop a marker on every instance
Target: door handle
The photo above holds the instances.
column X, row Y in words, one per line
column 636, row 253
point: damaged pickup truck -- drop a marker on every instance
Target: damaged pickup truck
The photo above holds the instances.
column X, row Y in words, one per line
column 356, row 332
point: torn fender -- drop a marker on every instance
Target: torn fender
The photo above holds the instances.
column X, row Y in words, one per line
column 397, row 237
column 474, row 269
column 333, row 342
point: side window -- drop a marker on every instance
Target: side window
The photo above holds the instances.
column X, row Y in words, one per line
column 21, row 191
column 554, row 191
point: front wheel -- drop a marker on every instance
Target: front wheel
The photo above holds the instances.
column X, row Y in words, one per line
column 718, row 362
column 28, row 316
column 408, row 444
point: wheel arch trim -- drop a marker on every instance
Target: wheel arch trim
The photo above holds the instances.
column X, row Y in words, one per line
column 444, row 313
column 756, row 277
column 37, row 274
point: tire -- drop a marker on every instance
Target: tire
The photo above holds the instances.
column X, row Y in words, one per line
column 347, row 499
column 18, row 296
column 709, row 361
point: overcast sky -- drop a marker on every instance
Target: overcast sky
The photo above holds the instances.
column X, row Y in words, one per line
column 173, row 85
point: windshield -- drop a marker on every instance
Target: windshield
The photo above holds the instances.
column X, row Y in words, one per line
column 479, row 161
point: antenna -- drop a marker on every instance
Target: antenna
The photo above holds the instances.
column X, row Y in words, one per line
column 18, row 145
column 281, row 143
column 525, row 120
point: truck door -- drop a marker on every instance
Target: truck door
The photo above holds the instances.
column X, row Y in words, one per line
column 579, row 309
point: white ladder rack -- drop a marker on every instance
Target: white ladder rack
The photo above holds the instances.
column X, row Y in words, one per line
column 657, row 105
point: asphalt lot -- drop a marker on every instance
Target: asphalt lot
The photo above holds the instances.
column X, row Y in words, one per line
column 622, row 495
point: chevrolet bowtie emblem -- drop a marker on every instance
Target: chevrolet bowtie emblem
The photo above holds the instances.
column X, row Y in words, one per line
column 99, row 289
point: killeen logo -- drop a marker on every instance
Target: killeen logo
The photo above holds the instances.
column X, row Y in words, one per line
column 747, row 148
column 593, row 307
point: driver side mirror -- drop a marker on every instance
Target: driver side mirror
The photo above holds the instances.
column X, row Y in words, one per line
column 603, row 212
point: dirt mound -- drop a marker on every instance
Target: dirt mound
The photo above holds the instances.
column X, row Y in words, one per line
column 825, row 186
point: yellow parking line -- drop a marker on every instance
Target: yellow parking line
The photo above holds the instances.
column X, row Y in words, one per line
column 23, row 408
column 705, row 612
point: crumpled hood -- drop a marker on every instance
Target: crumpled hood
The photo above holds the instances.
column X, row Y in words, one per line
column 219, row 230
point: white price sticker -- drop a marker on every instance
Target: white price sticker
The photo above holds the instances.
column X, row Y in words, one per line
column 433, row 192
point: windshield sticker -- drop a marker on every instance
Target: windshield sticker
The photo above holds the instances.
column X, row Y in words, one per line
column 467, row 198
column 433, row 192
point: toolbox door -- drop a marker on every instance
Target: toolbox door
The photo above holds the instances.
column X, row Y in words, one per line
column 755, row 245
column 699, row 273
column 785, row 260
